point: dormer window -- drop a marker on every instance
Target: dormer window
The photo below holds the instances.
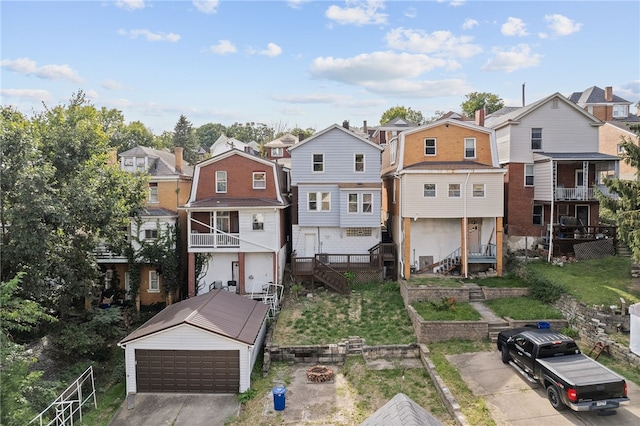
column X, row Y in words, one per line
column 277, row 152
column 620, row 111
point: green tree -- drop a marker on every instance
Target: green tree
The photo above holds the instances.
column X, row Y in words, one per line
column 164, row 140
column 250, row 132
column 402, row 112
column 626, row 207
column 475, row 101
column 60, row 200
column 184, row 136
column 208, row 133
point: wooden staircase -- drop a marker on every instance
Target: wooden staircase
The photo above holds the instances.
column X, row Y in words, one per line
column 449, row 263
column 330, row 277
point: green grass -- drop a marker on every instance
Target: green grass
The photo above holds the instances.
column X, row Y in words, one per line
column 373, row 311
column 523, row 308
column 458, row 312
column 473, row 407
column 108, row 404
column 435, row 281
column 508, row 280
column 594, row 282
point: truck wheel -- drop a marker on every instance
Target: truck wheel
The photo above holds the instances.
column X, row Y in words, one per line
column 554, row 398
column 505, row 354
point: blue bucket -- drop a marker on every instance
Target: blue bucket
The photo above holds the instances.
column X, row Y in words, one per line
column 543, row 324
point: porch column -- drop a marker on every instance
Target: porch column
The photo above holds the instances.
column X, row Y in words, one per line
column 499, row 246
column 464, row 250
column 191, row 274
column 406, row 248
column 241, row 283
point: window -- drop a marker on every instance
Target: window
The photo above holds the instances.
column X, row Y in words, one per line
column 223, row 221
column 358, row 163
column 257, row 220
column 454, row 190
column 528, row 175
column 367, row 203
column 536, row 138
column 221, row 181
column 353, row 203
column 537, row 214
column 150, row 234
column 392, row 148
column 478, row 190
column 319, row 201
column 429, row 146
column 620, row 110
column 469, row 147
column 277, row 152
column 259, row 180
column 154, row 282
column 429, row 190
column 360, row 203
column 590, row 109
column 621, row 149
column 153, row 192
column 318, row 163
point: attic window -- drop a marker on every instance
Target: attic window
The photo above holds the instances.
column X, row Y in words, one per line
column 554, row 103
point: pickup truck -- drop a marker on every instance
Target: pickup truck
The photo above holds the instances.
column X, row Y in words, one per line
column 553, row 360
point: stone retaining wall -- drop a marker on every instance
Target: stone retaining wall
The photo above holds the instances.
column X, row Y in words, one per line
column 439, row 331
column 555, row 324
column 499, row 293
column 411, row 294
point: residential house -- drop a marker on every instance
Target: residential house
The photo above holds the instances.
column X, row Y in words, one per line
column 277, row 150
column 238, row 224
column 614, row 111
column 335, row 178
column 169, row 180
column 224, row 144
column 444, row 197
column 390, row 130
column 550, row 151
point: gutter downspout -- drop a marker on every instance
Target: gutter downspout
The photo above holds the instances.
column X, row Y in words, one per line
column 465, row 226
column 553, row 199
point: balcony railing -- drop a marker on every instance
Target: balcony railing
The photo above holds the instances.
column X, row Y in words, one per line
column 579, row 194
column 214, row 240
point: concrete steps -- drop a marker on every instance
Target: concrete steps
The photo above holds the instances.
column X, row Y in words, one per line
column 495, row 328
column 476, row 294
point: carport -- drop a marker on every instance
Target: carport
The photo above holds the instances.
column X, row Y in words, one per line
column 206, row 344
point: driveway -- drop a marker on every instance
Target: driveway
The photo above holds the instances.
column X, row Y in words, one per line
column 514, row 401
column 155, row 409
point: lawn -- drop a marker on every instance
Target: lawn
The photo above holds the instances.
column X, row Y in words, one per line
column 523, row 308
column 594, row 282
column 373, row 311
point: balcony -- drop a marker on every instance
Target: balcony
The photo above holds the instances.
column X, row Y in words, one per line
column 575, row 194
column 214, row 240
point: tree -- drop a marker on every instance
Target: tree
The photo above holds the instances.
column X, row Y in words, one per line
column 403, row 112
column 164, row 140
column 250, row 132
column 475, row 101
column 184, row 136
column 60, row 200
column 626, row 207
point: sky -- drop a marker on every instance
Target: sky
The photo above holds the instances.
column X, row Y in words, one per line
column 309, row 64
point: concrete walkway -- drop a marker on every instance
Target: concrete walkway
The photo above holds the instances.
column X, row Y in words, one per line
column 487, row 314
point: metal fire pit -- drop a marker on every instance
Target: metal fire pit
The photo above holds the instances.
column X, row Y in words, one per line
column 319, row 374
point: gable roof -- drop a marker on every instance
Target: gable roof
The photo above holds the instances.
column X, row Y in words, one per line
column 400, row 411
column 163, row 164
column 595, row 95
column 335, row 127
column 515, row 115
column 218, row 312
column 224, row 143
column 283, row 141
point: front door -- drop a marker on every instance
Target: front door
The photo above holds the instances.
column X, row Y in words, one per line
column 582, row 214
column 473, row 236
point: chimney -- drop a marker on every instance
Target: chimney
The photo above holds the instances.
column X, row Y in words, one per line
column 345, row 124
column 608, row 94
column 366, row 129
column 480, row 117
column 300, row 137
column 177, row 152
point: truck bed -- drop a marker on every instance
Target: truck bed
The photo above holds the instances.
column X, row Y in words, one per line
column 579, row 370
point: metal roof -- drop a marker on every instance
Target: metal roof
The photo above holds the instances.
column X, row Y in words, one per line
column 219, row 312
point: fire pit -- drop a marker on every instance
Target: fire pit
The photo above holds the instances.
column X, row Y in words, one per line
column 319, row 374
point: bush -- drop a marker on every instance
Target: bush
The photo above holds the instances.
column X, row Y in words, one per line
column 542, row 289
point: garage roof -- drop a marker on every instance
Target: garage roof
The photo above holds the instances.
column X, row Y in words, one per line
column 220, row 312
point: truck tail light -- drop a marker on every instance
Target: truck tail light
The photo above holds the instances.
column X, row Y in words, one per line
column 572, row 395
column 625, row 389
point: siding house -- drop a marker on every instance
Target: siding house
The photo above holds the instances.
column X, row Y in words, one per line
column 277, row 150
column 238, row 224
column 550, row 152
column 444, row 192
column 169, row 180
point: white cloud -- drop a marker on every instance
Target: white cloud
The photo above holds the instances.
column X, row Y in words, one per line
column 516, row 58
column 34, row 95
column 296, row 4
column 207, row 6
column 469, row 23
column 514, row 27
column 561, row 25
column 420, row 88
column 48, row 72
column 112, row 85
column 411, row 12
column 150, row 36
column 91, row 94
column 223, row 47
column 629, row 91
column 130, row 4
column 328, row 99
column 443, row 43
column 543, row 35
column 357, row 13
column 374, row 67
column 272, row 50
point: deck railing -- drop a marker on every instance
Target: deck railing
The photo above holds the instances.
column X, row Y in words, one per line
column 214, row 240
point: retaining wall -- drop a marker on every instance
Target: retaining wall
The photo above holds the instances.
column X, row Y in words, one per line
column 423, row 293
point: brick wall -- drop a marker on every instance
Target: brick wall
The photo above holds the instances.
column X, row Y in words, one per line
column 439, row 331
column 411, row 294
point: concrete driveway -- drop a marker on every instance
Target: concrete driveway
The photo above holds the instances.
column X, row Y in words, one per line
column 514, row 401
column 155, row 409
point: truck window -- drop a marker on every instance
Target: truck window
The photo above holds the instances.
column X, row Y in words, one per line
column 549, row 350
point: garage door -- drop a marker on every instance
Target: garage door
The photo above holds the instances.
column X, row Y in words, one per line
column 187, row 371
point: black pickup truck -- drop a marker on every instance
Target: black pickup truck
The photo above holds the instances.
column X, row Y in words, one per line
column 571, row 378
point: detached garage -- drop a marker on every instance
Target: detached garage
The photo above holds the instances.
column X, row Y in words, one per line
column 206, row 344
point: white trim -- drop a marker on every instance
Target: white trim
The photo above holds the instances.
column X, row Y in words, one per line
column 154, row 277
